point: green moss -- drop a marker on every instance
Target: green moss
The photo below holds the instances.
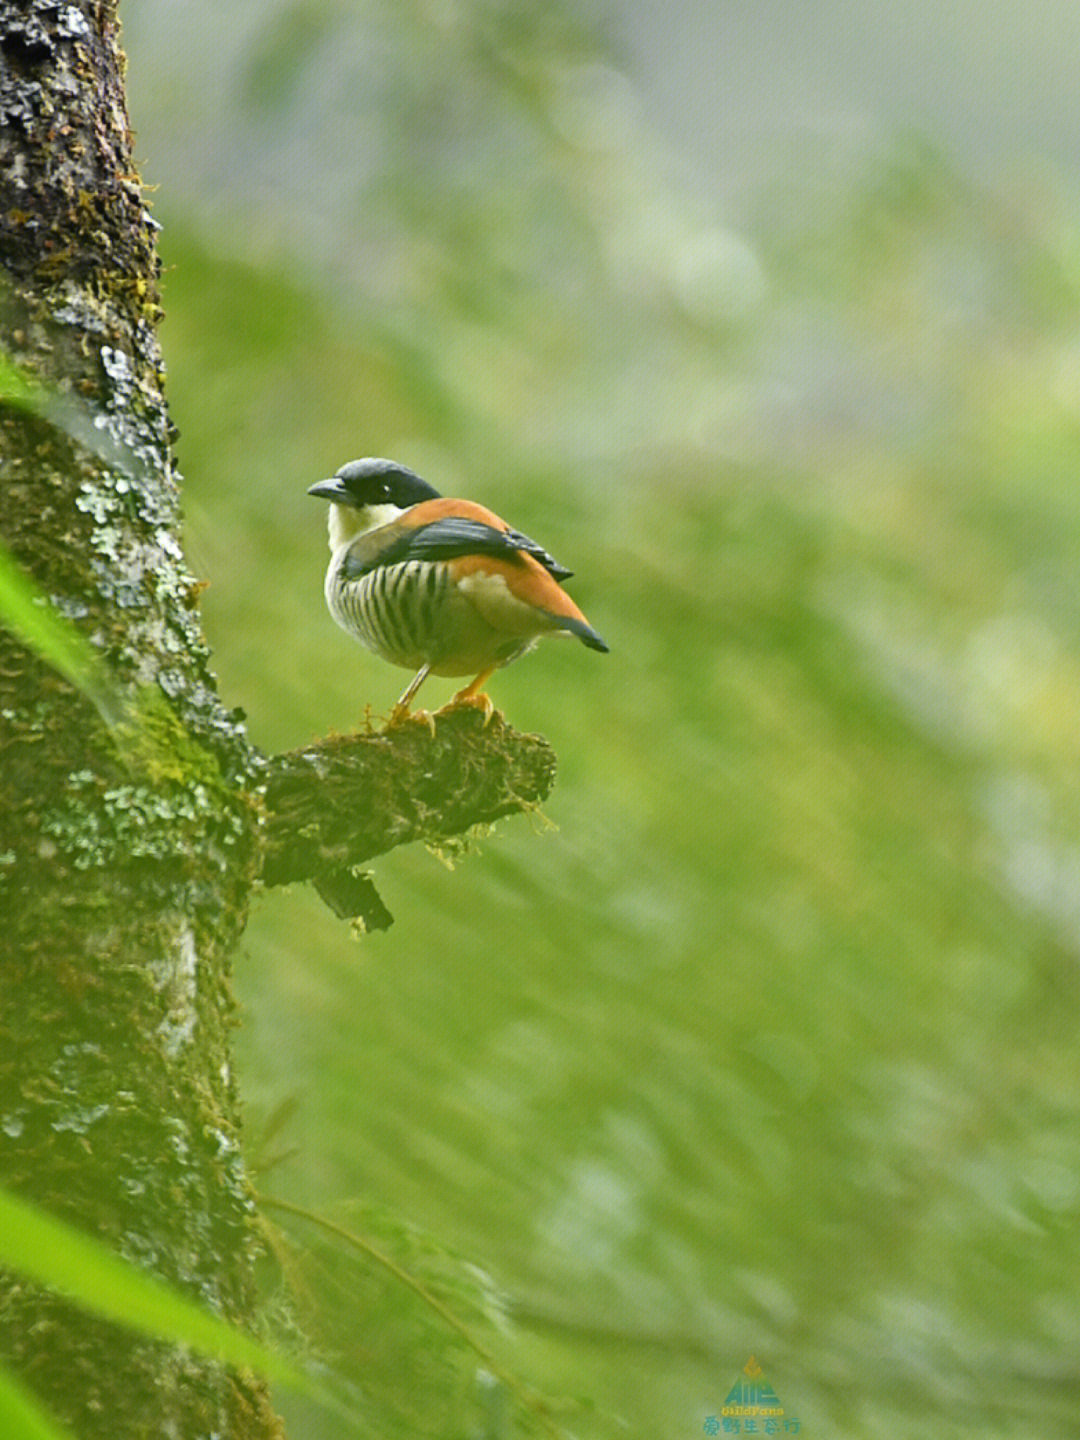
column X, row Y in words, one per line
column 158, row 745
column 172, row 788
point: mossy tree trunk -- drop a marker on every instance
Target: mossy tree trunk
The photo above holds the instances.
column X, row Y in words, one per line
column 127, row 858
column 127, row 855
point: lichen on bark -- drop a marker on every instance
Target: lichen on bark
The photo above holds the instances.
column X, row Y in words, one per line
column 127, row 858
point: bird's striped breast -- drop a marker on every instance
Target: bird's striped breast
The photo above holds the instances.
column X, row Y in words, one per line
column 392, row 609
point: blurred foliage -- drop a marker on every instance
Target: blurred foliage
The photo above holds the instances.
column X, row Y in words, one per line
column 41, row 1248
column 418, row 1300
column 26, row 612
column 771, row 1047
column 23, row 1418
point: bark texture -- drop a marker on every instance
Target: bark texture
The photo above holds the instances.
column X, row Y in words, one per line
column 127, row 856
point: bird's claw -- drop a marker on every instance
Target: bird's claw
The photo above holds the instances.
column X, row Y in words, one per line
column 402, row 715
column 481, row 700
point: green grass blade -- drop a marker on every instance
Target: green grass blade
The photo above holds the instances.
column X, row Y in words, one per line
column 61, row 1258
column 18, row 389
column 22, row 1417
column 26, row 612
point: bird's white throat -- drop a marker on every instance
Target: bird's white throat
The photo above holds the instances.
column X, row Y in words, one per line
column 346, row 522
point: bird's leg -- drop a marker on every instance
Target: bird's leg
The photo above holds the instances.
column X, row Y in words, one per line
column 473, row 694
column 412, row 687
column 400, row 711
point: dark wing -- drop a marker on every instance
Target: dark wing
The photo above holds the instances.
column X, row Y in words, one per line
column 547, row 560
column 447, row 539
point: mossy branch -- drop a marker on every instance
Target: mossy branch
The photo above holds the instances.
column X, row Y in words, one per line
column 336, row 804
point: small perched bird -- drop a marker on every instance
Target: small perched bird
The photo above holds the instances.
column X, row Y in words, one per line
column 442, row 587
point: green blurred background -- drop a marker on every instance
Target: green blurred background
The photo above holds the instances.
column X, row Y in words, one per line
column 771, row 332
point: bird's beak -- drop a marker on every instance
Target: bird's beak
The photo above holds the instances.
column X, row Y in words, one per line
column 331, row 489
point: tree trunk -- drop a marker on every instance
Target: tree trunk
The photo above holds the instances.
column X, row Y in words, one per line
column 127, row 855
column 128, row 858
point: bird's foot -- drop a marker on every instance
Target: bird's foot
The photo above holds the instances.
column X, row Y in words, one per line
column 402, row 715
column 478, row 699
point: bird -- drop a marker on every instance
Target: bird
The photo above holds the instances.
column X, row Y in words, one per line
column 437, row 585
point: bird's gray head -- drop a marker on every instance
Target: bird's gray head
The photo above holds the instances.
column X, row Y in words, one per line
column 373, row 484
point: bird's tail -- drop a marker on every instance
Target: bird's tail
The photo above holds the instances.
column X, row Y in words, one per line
column 584, row 632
